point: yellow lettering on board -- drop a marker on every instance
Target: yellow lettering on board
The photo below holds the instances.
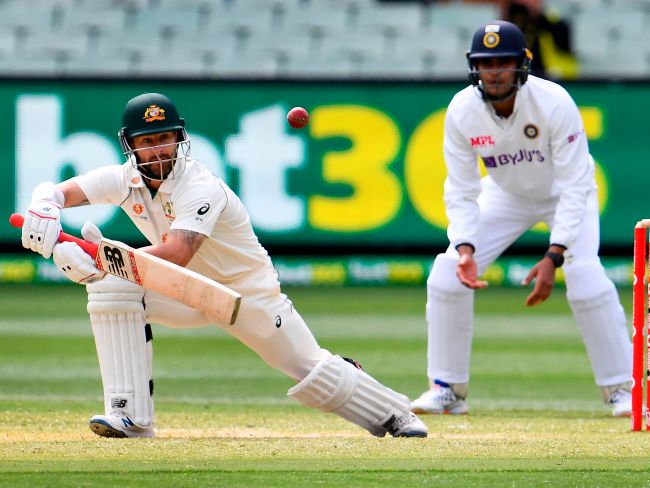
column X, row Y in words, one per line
column 425, row 171
column 365, row 167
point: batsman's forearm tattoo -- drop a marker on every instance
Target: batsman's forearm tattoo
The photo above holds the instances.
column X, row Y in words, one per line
column 192, row 239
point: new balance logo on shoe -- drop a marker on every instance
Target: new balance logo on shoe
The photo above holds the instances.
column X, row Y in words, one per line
column 127, row 422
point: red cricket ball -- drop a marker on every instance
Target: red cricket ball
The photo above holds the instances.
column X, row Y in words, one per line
column 298, row 117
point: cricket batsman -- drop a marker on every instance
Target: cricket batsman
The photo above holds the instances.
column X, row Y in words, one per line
column 192, row 219
column 529, row 136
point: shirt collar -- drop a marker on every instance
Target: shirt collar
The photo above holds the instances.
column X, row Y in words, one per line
column 134, row 177
column 521, row 95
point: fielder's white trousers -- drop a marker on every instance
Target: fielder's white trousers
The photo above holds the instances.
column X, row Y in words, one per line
column 592, row 296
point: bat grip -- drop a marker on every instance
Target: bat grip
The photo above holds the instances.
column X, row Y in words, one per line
column 90, row 248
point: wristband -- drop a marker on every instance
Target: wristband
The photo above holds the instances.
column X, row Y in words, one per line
column 49, row 192
column 556, row 257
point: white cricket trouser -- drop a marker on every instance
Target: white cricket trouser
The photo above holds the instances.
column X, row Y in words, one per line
column 592, row 296
column 267, row 323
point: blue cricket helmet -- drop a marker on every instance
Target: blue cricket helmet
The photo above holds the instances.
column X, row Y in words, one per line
column 499, row 39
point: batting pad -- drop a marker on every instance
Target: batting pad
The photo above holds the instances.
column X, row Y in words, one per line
column 335, row 385
column 124, row 347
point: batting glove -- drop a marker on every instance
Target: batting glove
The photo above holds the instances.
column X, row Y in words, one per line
column 75, row 264
column 43, row 219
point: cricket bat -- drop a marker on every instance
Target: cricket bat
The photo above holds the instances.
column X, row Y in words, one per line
column 154, row 273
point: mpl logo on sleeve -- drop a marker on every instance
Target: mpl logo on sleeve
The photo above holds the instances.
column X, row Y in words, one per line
column 117, row 259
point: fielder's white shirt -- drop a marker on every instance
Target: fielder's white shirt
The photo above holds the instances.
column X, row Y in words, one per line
column 539, row 152
column 193, row 200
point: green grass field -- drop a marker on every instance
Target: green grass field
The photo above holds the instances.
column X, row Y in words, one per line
column 223, row 417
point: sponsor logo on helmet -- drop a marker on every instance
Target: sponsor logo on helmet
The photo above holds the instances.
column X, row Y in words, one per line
column 138, row 209
column 154, row 112
column 531, row 131
column 491, row 39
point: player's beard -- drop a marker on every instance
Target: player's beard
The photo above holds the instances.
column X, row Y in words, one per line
column 501, row 93
column 498, row 89
column 159, row 166
column 157, row 169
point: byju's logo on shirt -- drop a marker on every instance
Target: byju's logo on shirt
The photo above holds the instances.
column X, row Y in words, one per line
column 481, row 141
column 534, row 155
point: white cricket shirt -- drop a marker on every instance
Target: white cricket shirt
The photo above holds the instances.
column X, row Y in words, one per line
column 539, row 152
column 194, row 200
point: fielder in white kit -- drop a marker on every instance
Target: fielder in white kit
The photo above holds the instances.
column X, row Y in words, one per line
column 193, row 219
column 529, row 135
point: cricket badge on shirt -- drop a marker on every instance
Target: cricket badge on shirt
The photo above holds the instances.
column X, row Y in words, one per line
column 531, row 131
column 138, row 210
column 168, row 208
column 154, row 112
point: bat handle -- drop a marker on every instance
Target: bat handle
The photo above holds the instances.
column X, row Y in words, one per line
column 16, row 220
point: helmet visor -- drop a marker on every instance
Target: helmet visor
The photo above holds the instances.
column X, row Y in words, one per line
column 160, row 162
column 498, row 77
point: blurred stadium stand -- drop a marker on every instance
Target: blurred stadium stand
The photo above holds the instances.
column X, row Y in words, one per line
column 289, row 38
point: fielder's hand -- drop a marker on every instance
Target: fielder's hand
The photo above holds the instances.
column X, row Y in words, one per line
column 467, row 272
column 544, row 275
column 74, row 262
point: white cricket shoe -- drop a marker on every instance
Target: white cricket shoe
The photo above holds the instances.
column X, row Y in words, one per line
column 439, row 399
column 406, row 425
column 621, row 403
column 117, row 424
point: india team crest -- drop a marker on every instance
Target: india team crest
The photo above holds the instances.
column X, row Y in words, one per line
column 531, row 131
column 154, row 112
column 491, row 39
